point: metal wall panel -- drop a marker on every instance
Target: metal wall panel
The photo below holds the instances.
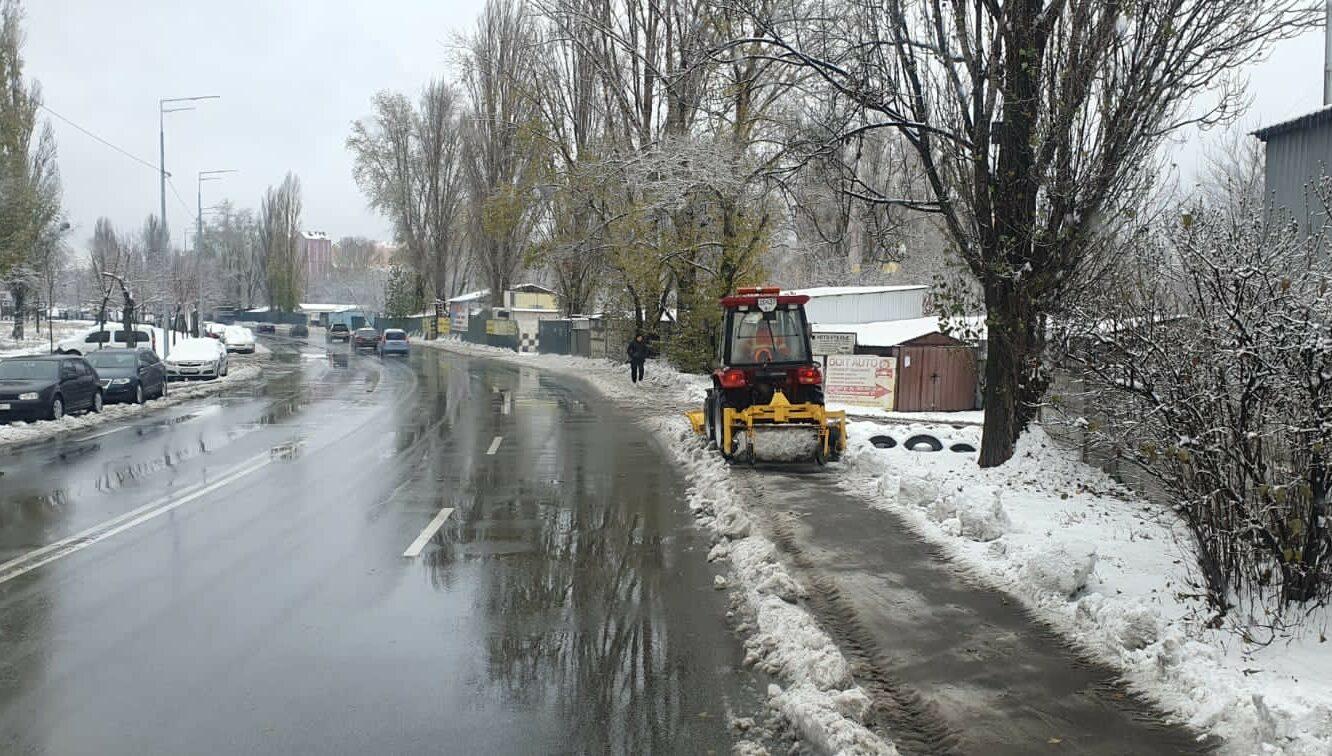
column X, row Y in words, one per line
column 867, row 308
column 1296, row 160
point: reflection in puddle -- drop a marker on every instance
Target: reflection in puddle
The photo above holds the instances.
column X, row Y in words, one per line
column 592, row 609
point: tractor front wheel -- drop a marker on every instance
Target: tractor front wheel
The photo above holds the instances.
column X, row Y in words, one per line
column 718, row 407
column 834, row 443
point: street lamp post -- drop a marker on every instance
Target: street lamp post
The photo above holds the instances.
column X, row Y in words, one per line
column 198, row 237
column 163, row 239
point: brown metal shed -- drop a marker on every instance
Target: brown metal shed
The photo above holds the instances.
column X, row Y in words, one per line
column 935, row 373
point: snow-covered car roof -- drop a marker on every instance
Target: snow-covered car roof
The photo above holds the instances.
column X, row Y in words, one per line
column 196, row 349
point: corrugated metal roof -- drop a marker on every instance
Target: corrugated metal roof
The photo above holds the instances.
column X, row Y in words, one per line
column 1316, row 118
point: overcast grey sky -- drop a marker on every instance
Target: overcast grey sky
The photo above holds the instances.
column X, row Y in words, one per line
column 293, row 75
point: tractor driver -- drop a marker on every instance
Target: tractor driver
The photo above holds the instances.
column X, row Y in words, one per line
column 771, row 343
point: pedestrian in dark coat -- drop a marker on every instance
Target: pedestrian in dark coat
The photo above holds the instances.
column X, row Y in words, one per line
column 638, row 354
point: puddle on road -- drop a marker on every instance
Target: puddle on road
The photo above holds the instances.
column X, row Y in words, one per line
column 591, row 586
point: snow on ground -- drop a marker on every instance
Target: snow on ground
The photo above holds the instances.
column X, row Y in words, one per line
column 970, row 417
column 21, row 433
column 819, row 699
column 38, row 343
column 1107, row 569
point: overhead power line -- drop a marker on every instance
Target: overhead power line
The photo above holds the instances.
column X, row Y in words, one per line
column 115, row 147
column 183, row 204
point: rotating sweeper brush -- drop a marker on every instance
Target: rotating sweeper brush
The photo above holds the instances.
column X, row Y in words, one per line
column 766, row 400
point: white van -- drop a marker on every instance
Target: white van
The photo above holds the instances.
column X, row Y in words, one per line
column 112, row 335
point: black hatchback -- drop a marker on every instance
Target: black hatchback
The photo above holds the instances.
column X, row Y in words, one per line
column 46, row 387
column 129, row 375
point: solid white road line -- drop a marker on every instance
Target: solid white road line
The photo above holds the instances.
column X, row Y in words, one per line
column 106, row 433
column 429, row 532
column 494, row 445
column 30, row 561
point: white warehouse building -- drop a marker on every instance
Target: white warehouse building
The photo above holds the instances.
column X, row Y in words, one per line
column 864, row 304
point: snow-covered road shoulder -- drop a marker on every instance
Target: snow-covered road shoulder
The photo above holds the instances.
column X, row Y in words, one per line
column 1106, row 569
column 817, row 694
column 42, row 430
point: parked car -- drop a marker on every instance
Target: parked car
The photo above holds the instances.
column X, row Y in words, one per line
column 394, row 341
column 338, row 332
column 239, row 339
column 266, row 328
column 365, row 338
column 129, row 375
column 46, row 387
column 112, row 335
column 197, row 358
column 299, row 331
column 215, row 330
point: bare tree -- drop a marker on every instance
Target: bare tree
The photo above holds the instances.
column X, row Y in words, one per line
column 408, row 162
column 1035, row 123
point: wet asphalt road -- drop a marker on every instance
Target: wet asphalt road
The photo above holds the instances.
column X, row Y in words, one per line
column 237, row 583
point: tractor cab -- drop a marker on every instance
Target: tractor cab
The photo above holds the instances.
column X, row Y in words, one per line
column 766, row 400
column 764, row 348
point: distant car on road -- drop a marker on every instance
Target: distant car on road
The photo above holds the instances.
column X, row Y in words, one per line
column 266, row 328
column 394, row 341
column 338, row 332
column 197, row 358
column 46, row 387
column 129, row 375
column 299, row 331
column 112, row 335
column 365, row 338
column 238, row 339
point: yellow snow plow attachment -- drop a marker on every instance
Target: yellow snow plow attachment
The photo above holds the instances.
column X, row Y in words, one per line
column 775, row 432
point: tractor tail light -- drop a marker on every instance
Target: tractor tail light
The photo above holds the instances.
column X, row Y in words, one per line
column 733, row 379
column 809, row 376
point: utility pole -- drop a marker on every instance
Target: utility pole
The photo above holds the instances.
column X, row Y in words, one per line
column 1327, row 54
column 163, row 239
column 198, row 238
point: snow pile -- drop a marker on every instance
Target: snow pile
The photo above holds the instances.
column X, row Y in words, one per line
column 20, row 433
column 1110, row 572
column 976, row 512
column 829, row 728
column 1060, row 568
column 781, row 638
column 784, row 641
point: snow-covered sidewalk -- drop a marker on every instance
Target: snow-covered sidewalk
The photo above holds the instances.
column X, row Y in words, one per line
column 23, row 433
column 1109, row 571
column 818, row 695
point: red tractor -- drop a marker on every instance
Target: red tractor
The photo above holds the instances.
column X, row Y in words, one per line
column 766, row 400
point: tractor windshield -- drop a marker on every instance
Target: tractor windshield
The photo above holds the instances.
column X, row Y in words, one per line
column 759, row 340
